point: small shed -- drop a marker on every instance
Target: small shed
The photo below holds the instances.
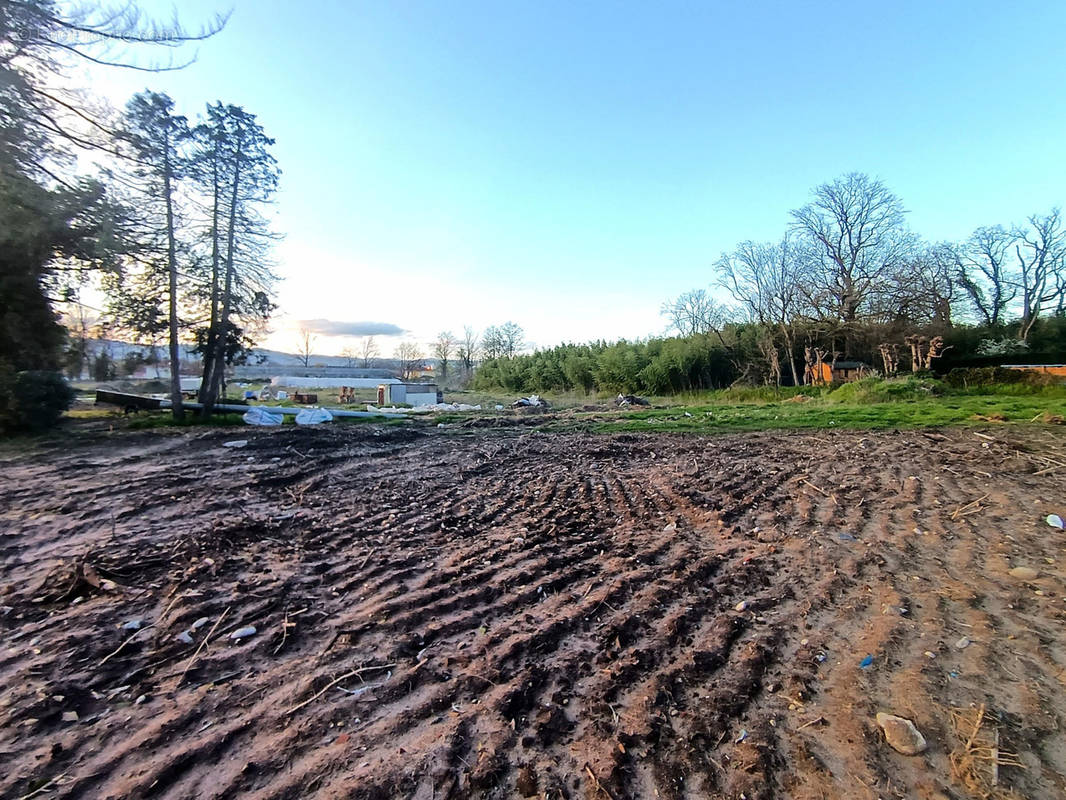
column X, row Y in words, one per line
column 413, row 394
column 844, row 371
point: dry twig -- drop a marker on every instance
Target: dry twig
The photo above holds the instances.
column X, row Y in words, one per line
column 333, row 683
column 193, row 657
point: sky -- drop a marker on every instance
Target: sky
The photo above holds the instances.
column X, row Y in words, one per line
column 570, row 166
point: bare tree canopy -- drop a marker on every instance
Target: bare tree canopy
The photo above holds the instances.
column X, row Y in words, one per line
column 982, row 271
column 694, row 312
column 370, row 352
column 855, row 226
column 1040, row 250
column 410, row 358
column 466, row 350
column 305, row 346
column 764, row 279
column 442, row 351
column 501, row 341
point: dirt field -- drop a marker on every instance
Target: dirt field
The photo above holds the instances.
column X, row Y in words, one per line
column 502, row 613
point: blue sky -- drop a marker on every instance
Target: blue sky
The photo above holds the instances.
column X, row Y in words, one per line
column 571, row 165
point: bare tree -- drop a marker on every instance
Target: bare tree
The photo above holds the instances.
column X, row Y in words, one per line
column 511, row 339
column 923, row 289
column 692, row 312
column 411, row 359
column 764, row 280
column 350, row 356
column 370, row 352
column 466, row 350
column 442, row 350
column 982, row 270
column 856, row 228
column 491, row 343
column 305, row 346
column 1040, row 249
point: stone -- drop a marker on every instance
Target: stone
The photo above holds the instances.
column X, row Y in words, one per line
column 243, row 633
column 184, row 637
column 1024, row 573
column 70, row 716
column 901, row 734
column 963, row 643
column 133, row 625
column 200, row 623
column 743, row 605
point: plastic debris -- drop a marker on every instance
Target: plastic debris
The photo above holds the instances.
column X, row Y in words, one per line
column 1055, row 521
column 866, row 662
column 313, row 416
column 133, row 625
column 533, row 401
column 427, row 409
column 236, row 443
column 263, row 416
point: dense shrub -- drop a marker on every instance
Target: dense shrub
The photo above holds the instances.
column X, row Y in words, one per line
column 983, row 377
column 878, row 390
column 32, row 401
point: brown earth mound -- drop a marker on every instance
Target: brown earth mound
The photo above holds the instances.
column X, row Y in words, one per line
column 504, row 613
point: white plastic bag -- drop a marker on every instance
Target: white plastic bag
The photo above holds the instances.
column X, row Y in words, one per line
column 313, row 416
column 263, row 416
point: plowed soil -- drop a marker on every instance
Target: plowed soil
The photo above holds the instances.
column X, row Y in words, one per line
column 507, row 613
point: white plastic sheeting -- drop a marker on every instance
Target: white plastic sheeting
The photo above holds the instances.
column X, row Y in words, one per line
column 423, row 409
column 257, row 415
column 313, row 416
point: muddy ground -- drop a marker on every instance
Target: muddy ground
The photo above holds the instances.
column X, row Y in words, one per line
column 509, row 613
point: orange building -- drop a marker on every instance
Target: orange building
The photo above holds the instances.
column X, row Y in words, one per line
column 841, row 372
column 1047, row 369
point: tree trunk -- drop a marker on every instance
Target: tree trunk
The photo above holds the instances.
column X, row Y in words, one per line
column 227, row 295
column 789, row 347
column 208, row 388
column 172, row 269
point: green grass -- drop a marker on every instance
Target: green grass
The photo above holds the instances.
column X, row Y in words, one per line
column 165, row 419
column 824, row 413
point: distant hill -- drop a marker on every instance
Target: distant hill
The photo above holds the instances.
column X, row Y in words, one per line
column 259, row 355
